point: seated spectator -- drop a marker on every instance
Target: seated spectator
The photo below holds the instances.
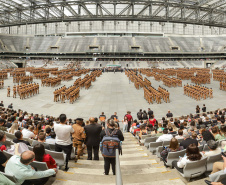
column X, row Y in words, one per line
column 19, row 138
column 41, row 139
column 217, row 134
column 171, row 131
column 214, row 150
column 136, row 130
column 3, row 159
column 160, row 127
column 40, row 156
column 38, row 129
column 143, row 131
column 192, row 154
column 180, row 135
column 14, row 128
column 52, row 139
column 48, row 131
column 2, row 125
column 19, row 167
column 28, row 133
column 187, row 141
column 174, row 147
column 9, row 123
column 165, row 136
column 206, row 135
column 158, row 133
column 194, row 136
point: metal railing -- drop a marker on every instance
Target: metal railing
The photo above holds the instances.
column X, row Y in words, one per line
column 118, row 169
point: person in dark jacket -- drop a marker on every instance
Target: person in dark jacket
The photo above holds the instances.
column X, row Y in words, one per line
column 187, row 141
column 93, row 138
column 140, row 115
column 150, row 112
column 108, row 160
column 145, row 115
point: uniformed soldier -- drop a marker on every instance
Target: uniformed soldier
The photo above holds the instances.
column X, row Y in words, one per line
column 79, row 137
column 8, row 91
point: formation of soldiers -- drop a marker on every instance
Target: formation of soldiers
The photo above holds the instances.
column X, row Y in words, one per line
column 72, row 93
column 201, row 79
column 150, row 93
column 171, row 82
column 198, row 92
column 24, row 90
column 165, row 94
column 3, row 75
column 223, row 86
column 65, row 77
column 219, row 75
column 62, row 94
column 50, row 82
column 22, row 79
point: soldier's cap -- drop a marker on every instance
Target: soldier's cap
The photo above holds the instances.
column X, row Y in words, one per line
column 79, row 119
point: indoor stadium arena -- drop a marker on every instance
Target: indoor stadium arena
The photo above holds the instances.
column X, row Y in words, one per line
column 112, row 92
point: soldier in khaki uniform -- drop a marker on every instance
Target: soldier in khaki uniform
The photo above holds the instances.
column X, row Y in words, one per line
column 78, row 137
column 8, row 91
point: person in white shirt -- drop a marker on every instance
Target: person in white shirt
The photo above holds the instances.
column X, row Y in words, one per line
column 63, row 138
column 192, row 154
column 180, row 134
column 214, row 150
column 165, row 136
column 52, row 139
column 28, row 133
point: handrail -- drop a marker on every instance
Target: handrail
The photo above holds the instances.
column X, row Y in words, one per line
column 118, row 169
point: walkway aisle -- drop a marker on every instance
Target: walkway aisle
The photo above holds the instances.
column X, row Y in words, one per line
column 137, row 168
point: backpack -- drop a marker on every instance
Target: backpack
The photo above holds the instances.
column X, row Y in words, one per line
column 109, row 144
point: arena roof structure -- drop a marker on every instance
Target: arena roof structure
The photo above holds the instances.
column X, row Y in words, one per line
column 201, row 12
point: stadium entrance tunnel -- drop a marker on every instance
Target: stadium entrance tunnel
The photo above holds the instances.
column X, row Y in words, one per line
column 20, row 65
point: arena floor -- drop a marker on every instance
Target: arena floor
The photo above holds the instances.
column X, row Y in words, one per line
column 109, row 93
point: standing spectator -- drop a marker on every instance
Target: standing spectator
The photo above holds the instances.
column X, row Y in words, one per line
column 114, row 117
column 145, row 115
column 197, row 110
column 130, row 119
column 204, row 108
column 125, row 124
column 63, row 138
column 102, row 118
column 140, row 115
column 79, row 137
column 150, row 112
column 1, row 104
column 40, row 156
column 169, row 114
column 28, row 133
column 19, row 167
column 152, row 120
column 108, row 160
column 92, row 138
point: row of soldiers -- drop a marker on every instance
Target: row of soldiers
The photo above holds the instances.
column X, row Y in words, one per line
column 3, row 75
column 63, row 93
column 24, row 90
column 151, row 94
column 223, row 86
column 198, row 92
column 171, row 82
column 200, row 79
column 165, row 94
column 22, row 79
column 51, row 82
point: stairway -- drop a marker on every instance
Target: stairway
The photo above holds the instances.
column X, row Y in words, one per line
column 137, row 168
